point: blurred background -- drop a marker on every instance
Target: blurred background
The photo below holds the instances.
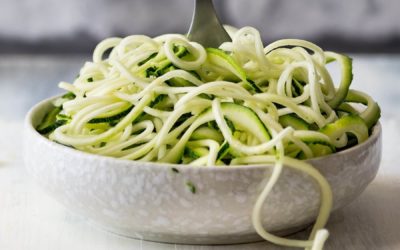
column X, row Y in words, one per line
column 75, row 26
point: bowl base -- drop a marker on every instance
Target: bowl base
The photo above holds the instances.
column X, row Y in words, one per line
column 226, row 239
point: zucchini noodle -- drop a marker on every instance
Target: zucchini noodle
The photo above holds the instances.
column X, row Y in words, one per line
column 168, row 99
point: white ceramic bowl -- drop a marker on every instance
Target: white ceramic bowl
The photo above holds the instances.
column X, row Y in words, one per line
column 152, row 202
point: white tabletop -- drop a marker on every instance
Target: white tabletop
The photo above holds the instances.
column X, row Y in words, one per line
column 29, row 219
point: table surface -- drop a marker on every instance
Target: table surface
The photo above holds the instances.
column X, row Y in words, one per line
column 29, row 219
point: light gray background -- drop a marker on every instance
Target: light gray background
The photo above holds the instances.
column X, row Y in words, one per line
column 77, row 25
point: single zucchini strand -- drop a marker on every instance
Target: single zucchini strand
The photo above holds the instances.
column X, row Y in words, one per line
column 347, row 124
column 347, row 77
column 113, row 118
column 372, row 113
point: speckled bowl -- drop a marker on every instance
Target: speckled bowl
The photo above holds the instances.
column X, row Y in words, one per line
column 150, row 201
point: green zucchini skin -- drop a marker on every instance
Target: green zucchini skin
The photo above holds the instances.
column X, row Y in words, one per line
column 346, row 64
column 234, row 72
column 348, row 124
column 372, row 113
column 294, row 122
column 113, row 118
column 50, row 122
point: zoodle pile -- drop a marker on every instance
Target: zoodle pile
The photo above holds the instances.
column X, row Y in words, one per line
column 167, row 99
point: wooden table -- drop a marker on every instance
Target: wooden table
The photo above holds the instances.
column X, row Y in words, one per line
column 29, row 219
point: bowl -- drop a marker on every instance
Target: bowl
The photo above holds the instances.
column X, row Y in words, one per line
column 183, row 204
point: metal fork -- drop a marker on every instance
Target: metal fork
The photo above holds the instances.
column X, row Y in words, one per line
column 206, row 28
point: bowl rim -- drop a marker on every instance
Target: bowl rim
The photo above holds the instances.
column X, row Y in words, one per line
column 28, row 126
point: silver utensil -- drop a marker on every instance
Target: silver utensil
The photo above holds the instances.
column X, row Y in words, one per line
column 206, row 28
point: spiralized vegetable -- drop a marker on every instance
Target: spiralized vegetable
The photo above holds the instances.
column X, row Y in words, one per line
column 171, row 100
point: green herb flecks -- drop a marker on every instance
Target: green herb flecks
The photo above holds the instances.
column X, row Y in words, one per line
column 191, row 187
column 175, row 170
